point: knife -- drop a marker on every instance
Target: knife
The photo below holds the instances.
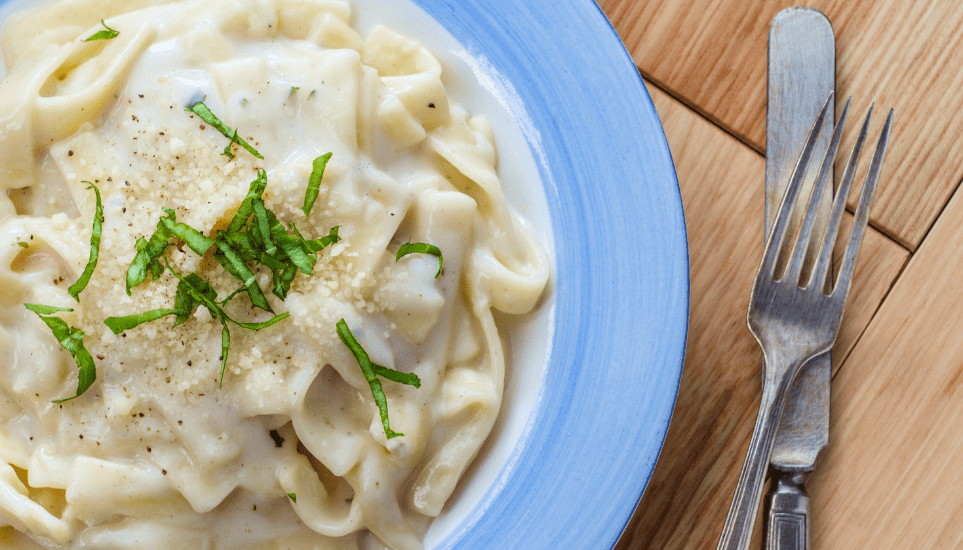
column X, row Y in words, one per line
column 802, row 74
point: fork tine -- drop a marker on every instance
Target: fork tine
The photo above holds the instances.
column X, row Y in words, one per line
column 821, row 269
column 794, row 269
column 861, row 219
column 781, row 223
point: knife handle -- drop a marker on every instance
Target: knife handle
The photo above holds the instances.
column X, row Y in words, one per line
column 787, row 514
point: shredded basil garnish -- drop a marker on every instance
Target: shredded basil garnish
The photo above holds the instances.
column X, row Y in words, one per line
column 71, row 339
column 254, row 236
column 314, row 182
column 75, row 289
column 293, row 497
column 421, row 248
column 201, row 110
column 103, row 35
column 23, row 244
column 372, row 371
column 278, row 440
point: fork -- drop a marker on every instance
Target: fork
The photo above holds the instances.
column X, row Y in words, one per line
column 795, row 315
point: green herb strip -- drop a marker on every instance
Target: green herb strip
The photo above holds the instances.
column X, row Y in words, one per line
column 75, row 289
column 71, row 339
column 23, row 244
column 314, row 182
column 294, row 248
column 263, row 225
column 244, row 211
column 225, row 348
column 103, row 35
column 282, row 281
column 233, row 264
column 192, row 237
column 227, row 152
column 201, row 110
column 147, row 260
column 120, row 324
column 397, row 376
column 293, row 497
column 315, row 245
column 372, row 371
column 278, row 440
column 262, row 324
column 421, row 248
column 41, row 309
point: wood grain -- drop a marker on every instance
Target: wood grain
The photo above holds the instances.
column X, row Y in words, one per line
column 722, row 182
column 904, row 54
column 892, row 479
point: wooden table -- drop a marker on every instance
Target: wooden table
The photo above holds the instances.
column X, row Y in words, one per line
column 889, row 478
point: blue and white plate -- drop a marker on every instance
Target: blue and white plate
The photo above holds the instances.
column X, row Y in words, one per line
column 595, row 371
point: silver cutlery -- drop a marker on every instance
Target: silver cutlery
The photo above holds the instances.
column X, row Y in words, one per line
column 791, row 314
column 802, row 72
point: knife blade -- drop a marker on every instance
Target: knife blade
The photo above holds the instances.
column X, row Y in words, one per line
column 801, row 75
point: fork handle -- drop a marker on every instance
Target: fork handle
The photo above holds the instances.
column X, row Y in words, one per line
column 737, row 530
column 787, row 514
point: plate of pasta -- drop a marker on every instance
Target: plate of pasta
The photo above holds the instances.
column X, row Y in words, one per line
column 330, row 274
